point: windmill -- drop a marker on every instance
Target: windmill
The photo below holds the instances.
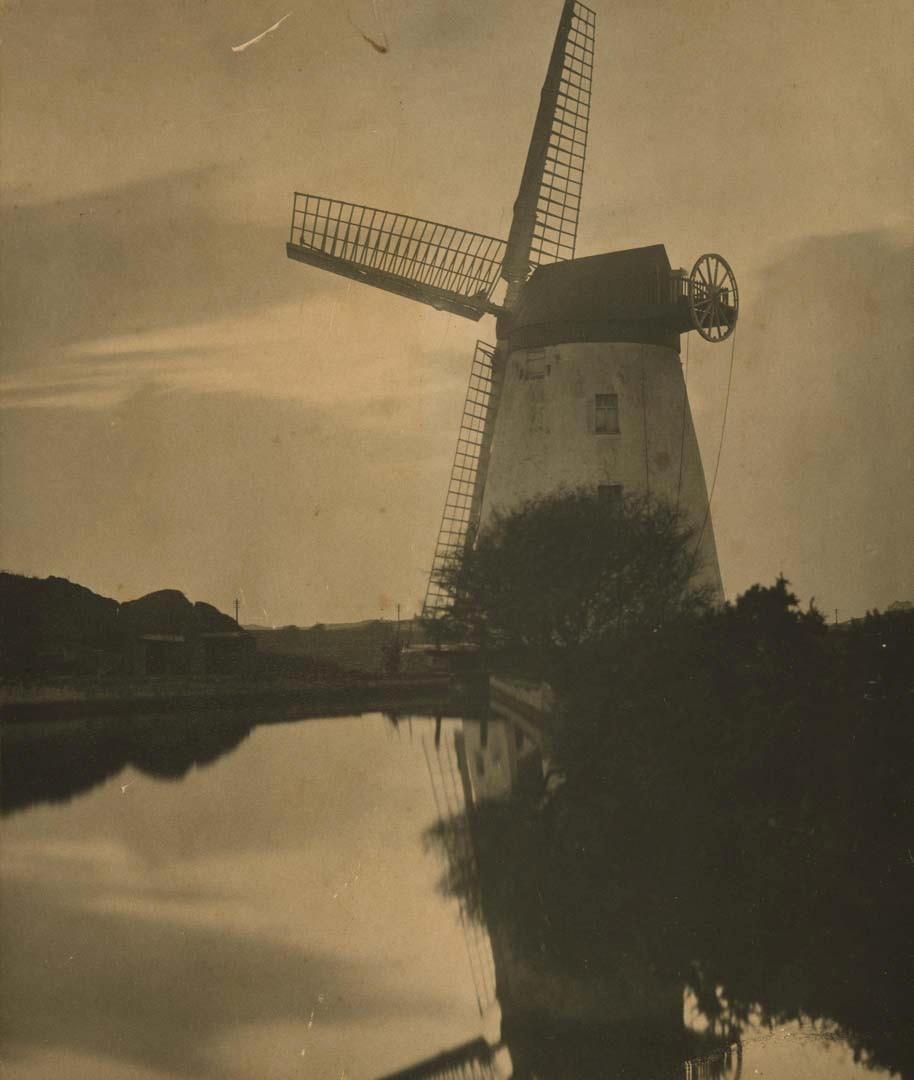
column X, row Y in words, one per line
column 584, row 384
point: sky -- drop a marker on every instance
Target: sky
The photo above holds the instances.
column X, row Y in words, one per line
column 184, row 407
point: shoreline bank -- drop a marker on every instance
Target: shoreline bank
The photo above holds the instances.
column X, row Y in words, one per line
column 47, row 703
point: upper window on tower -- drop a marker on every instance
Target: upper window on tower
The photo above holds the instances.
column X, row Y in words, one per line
column 606, row 414
column 536, row 364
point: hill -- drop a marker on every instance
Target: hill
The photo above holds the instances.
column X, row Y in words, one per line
column 55, row 627
column 52, row 628
column 358, row 646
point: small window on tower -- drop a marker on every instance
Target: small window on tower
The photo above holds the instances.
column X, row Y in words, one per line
column 536, row 363
column 606, row 414
column 610, row 493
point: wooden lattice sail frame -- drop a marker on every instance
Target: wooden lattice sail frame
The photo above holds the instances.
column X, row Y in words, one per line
column 474, row 275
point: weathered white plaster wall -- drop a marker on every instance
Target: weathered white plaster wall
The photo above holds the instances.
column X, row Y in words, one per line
column 544, row 432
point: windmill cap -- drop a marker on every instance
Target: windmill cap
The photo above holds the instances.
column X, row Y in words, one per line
column 619, row 296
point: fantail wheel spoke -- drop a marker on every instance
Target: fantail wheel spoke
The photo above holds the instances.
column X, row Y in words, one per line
column 713, row 297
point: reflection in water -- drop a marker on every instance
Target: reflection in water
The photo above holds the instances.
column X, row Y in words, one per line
column 52, row 764
column 591, row 960
column 475, row 1060
column 558, row 1019
column 281, row 903
column 271, row 915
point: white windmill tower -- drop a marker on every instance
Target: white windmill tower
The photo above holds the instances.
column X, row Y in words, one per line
column 584, row 384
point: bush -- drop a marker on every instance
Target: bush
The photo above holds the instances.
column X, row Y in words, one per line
column 566, row 573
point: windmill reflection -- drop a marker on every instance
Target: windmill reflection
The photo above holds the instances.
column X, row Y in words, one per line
column 474, row 1060
column 561, row 1015
column 449, row 776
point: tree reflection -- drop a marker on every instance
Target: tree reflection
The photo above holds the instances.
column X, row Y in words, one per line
column 584, row 991
column 767, row 872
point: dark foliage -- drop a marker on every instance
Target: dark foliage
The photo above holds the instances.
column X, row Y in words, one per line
column 736, row 808
column 558, row 578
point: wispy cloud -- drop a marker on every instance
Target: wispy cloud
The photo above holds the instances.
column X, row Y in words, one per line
column 134, row 259
column 286, row 352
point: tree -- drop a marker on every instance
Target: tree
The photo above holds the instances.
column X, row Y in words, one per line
column 566, row 573
column 730, row 801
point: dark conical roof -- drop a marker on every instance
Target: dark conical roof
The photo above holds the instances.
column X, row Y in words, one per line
column 618, row 296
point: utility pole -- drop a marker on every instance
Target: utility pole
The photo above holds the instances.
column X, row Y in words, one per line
column 236, row 609
column 836, row 616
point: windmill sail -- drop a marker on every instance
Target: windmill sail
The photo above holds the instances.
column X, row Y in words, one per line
column 545, row 224
column 464, row 492
column 452, row 269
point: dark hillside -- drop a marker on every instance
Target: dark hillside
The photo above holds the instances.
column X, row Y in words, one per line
column 51, row 623
column 51, row 627
column 168, row 611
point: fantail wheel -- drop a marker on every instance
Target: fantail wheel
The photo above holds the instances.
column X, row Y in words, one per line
column 713, row 298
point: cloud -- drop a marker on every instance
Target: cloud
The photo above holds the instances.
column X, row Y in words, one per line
column 134, row 259
column 287, row 351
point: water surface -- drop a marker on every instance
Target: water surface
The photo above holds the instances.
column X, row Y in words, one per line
column 199, row 897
